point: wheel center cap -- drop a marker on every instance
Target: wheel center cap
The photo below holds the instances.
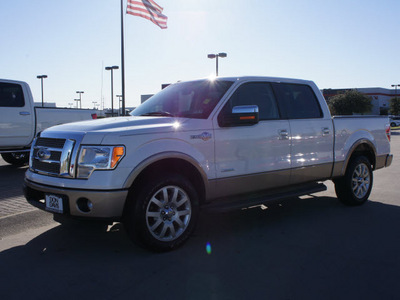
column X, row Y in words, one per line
column 167, row 212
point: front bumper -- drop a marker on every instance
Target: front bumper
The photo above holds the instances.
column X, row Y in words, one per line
column 107, row 205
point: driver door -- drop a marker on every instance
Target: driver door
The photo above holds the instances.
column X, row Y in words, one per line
column 257, row 157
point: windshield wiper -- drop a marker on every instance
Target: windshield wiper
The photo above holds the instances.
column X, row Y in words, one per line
column 158, row 113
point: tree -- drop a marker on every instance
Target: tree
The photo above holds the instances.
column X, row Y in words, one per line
column 352, row 101
column 395, row 106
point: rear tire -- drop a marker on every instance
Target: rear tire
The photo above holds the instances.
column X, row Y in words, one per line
column 163, row 213
column 16, row 158
column 354, row 188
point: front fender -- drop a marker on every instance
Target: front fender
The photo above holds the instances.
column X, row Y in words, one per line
column 157, row 150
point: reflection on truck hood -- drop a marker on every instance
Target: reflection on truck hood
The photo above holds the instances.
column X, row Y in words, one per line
column 118, row 124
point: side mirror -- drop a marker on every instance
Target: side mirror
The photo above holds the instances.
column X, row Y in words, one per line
column 245, row 115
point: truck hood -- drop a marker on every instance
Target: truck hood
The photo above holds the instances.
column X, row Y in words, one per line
column 120, row 124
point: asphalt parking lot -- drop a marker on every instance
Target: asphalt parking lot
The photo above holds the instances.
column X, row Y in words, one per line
column 311, row 247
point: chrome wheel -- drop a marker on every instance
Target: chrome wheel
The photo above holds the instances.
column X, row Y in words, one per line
column 168, row 213
column 361, row 180
column 355, row 186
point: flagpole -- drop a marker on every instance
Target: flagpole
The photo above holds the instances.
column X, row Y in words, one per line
column 122, row 59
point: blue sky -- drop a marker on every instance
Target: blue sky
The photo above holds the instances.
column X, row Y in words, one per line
column 336, row 43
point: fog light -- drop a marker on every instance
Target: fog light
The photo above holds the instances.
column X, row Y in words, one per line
column 84, row 205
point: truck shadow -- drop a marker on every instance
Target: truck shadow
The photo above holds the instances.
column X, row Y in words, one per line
column 10, row 173
column 13, row 169
column 11, row 178
column 300, row 248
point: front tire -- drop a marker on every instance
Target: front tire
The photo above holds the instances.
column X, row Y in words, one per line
column 163, row 213
column 355, row 187
column 16, row 158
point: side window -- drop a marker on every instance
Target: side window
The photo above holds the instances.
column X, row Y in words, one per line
column 11, row 95
column 255, row 93
column 299, row 101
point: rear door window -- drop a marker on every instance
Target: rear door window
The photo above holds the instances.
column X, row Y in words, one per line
column 298, row 101
column 11, row 95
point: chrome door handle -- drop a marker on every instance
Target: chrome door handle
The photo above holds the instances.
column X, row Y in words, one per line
column 325, row 131
column 24, row 113
column 284, row 135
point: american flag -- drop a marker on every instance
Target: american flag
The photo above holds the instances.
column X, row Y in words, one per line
column 149, row 10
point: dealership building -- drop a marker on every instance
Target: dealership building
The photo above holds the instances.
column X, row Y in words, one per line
column 380, row 97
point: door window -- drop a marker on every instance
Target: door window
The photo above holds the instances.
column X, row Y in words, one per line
column 254, row 93
column 11, row 95
column 298, row 100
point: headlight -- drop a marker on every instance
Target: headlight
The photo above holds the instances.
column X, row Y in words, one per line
column 98, row 158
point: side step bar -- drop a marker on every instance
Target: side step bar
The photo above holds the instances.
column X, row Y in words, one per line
column 248, row 200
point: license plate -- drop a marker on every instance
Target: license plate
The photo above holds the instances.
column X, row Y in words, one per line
column 54, row 204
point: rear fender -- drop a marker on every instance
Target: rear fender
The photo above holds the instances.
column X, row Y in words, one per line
column 364, row 146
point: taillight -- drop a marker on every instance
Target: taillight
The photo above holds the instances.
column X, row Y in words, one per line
column 94, row 116
column 387, row 129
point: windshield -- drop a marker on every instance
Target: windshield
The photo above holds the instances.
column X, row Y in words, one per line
column 193, row 99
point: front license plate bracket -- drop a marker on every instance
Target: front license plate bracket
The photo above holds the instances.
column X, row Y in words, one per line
column 54, row 203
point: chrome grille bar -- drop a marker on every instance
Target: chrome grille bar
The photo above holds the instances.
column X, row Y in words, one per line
column 52, row 156
column 65, row 161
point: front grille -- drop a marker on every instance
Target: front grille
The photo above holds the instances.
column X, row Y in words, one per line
column 51, row 156
column 55, row 155
column 52, row 168
column 50, row 143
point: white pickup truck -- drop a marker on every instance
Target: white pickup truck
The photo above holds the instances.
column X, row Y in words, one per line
column 20, row 120
column 224, row 143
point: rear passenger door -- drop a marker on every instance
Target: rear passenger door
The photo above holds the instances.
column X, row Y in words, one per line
column 312, row 132
column 251, row 158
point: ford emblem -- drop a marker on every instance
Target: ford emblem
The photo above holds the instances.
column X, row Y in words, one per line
column 43, row 154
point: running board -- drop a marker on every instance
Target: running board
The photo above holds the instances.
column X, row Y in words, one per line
column 249, row 200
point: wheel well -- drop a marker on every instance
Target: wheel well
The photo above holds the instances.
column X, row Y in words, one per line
column 367, row 151
column 173, row 165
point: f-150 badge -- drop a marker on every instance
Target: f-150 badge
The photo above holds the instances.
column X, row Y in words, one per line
column 205, row 136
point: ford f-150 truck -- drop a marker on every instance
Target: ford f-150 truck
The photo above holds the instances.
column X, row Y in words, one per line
column 20, row 120
column 228, row 142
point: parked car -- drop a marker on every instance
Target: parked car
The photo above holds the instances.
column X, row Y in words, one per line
column 223, row 143
column 394, row 121
column 20, row 120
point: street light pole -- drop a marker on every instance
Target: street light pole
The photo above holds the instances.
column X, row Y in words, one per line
column 80, row 97
column 395, row 90
column 112, row 87
column 77, row 100
column 122, row 59
column 119, row 105
column 222, row 55
column 41, row 79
